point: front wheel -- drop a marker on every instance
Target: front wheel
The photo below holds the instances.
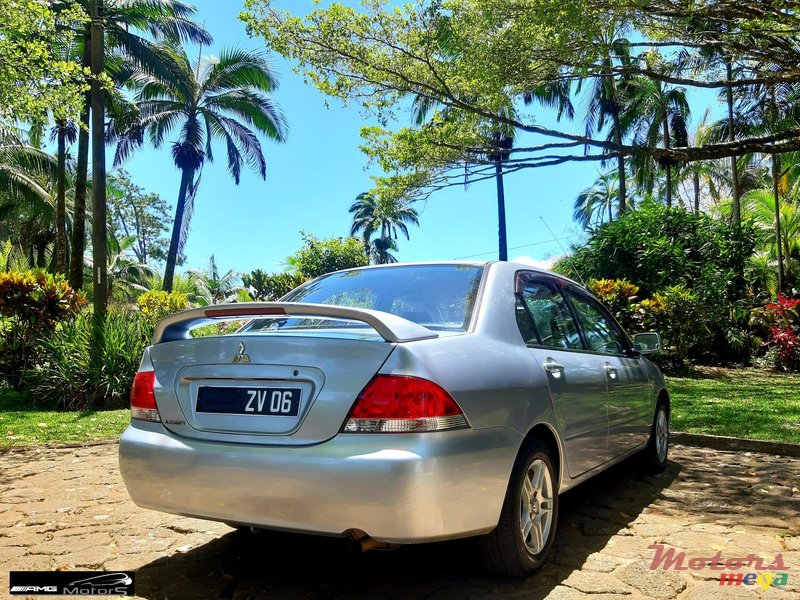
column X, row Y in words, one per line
column 655, row 454
column 523, row 537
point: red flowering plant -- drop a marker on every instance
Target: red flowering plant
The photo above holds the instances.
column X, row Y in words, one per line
column 785, row 331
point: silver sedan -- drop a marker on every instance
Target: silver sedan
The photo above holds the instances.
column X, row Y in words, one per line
column 395, row 405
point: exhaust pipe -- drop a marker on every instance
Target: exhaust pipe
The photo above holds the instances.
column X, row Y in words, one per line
column 361, row 542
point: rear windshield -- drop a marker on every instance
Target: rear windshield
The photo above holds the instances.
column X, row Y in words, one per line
column 440, row 297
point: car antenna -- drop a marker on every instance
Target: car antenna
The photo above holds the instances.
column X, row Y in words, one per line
column 567, row 256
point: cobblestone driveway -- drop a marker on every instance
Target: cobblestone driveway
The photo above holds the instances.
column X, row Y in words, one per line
column 67, row 508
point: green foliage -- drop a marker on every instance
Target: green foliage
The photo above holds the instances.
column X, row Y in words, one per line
column 656, row 247
column 676, row 313
column 81, row 368
column 619, row 297
column 31, row 303
column 143, row 217
column 154, row 305
column 37, row 75
column 221, row 328
column 318, row 257
column 213, row 288
column 266, row 287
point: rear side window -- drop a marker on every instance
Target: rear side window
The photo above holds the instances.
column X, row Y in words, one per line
column 601, row 333
column 545, row 318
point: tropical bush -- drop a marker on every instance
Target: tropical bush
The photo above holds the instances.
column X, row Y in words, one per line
column 318, row 257
column 31, row 303
column 676, row 313
column 157, row 304
column 266, row 287
column 618, row 295
column 81, row 367
column 656, row 247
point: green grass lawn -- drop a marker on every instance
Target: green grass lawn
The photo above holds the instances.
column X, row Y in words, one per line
column 745, row 403
column 21, row 425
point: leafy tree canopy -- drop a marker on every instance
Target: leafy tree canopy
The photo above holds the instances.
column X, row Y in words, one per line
column 474, row 62
column 34, row 43
column 318, row 257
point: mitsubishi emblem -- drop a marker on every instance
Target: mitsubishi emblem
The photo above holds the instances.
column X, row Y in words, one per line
column 240, row 356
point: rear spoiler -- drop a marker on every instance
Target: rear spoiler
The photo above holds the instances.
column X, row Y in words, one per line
column 390, row 327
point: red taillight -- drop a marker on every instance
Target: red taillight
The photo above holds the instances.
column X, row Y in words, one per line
column 143, row 399
column 397, row 404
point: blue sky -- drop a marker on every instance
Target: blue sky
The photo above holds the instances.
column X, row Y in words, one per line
column 314, row 177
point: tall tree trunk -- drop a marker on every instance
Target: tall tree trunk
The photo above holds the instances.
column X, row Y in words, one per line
column 99, row 227
column 621, row 175
column 696, row 184
column 736, row 213
column 501, row 211
column 665, row 128
column 172, row 256
column 81, row 178
column 617, row 132
column 61, row 198
column 778, row 241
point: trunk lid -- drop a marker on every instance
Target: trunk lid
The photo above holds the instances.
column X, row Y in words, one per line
column 245, row 374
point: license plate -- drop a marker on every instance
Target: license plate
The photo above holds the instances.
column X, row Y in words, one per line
column 270, row 401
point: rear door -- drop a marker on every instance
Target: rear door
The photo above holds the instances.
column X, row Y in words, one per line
column 576, row 379
column 629, row 408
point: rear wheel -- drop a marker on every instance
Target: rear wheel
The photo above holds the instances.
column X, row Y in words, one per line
column 527, row 527
column 655, row 454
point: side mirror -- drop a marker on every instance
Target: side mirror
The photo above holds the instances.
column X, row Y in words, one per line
column 647, row 343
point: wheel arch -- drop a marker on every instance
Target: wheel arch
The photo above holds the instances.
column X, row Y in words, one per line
column 546, row 434
column 663, row 396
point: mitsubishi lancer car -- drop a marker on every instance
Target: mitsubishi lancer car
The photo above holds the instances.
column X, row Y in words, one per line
column 396, row 404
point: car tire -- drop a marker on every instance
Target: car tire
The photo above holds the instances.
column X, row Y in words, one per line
column 657, row 449
column 508, row 550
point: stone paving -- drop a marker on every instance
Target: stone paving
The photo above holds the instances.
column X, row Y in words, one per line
column 67, row 509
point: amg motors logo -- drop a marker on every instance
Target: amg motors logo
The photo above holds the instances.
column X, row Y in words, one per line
column 71, row 583
column 765, row 573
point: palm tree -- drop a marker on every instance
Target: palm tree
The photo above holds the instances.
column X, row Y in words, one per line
column 127, row 26
column 595, row 202
column 209, row 99
column 606, row 102
column 213, row 288
column 127, row 277
column 64, row 133
column 371, row 215
column 656, row 114
column 27, row 207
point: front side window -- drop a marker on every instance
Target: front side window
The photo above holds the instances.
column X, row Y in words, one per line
column 601, row 333
column 549, row 321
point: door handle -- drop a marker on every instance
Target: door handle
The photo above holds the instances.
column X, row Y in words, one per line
column 553, row 368
column 611, row 371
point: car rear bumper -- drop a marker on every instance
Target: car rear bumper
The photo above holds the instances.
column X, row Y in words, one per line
column 397, row 488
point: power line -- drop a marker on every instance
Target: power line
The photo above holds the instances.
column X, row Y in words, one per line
column 514, row 248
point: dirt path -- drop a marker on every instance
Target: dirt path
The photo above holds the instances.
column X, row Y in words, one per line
column 67, row 508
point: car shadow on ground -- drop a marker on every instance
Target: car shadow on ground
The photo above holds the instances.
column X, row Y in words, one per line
column 282, row 565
